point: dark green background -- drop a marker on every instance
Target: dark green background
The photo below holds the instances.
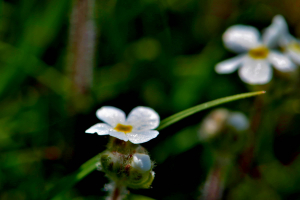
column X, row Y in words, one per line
column 153, row 53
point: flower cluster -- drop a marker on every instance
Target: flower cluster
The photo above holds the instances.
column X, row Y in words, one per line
column 125, row 161
column 257, row 53
column 289, row 43
column 128, row 164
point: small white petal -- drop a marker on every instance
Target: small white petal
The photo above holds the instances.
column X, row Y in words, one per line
column 141, row 162
column 256, row 71
column 240, row 38
column 281, row 62
column 286, row 37
column 229, row 65
column 100, row 129
column 119, row 135
column 294, row 55
column 143, row 118
column 276, row 33
column 271, row 36
column 280, row 22
column 111, row 115
column 238, row 120
column 141, row 137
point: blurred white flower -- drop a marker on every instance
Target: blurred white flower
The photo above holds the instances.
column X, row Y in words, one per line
column 141, row 162
column 289, row 43
column 213, row 123
column 137, row 128
column 256, row 56
column 238, row 120
column 220, row 119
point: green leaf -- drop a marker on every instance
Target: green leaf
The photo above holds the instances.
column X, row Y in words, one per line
column 90, row 165
column 185, row 113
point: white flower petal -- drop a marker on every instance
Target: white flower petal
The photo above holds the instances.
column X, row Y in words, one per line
column 280, row 22
column 119, row 135
column 143, row 118
column 141, row 162
column 100, row 129
column 111, row 115
column 285, row 38
column 229, row 65
column 240, row 38
column 256, row 71
column 276, row 33
column 281, row 61
column 141, row 137
column 271, row 36
column 294, row 55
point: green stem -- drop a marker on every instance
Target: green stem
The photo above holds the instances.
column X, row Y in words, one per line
column 185, row 113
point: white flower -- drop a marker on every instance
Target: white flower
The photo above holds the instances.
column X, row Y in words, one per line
column 141, row 162
column 256, row 56
column 137, row 128
column 289, row 43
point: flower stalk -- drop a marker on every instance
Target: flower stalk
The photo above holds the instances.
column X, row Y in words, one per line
column 81, row 45
column 117, row 192
column 214, row 184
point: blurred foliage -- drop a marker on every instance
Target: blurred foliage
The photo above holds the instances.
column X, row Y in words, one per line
column 159, row 54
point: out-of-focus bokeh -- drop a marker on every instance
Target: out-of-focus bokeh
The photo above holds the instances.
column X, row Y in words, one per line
column 62, row 60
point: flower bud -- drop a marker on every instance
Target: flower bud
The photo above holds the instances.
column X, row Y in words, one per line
column 140, row 180
column 141, row 175
column 132, row 170
column 141, row 162
column 112, row 163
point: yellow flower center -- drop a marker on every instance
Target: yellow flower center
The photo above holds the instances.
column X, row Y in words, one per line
column 259, row 52
column 123, row 128
column 295, row 46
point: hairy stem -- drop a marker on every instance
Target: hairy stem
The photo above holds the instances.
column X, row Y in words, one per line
column 214, row 184
column 81, row 45
column 117, row 192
